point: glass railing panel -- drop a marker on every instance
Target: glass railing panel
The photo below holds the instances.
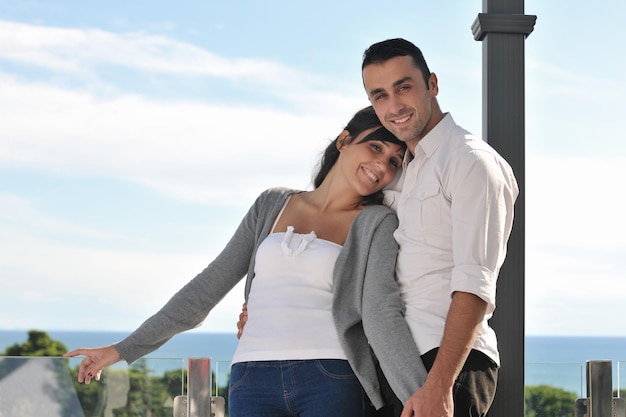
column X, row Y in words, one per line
column 569, row 377
column 221, row 370
column 551, row 389
column 621, row 379
column 47, row 386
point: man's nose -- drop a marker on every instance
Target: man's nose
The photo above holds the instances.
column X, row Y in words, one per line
column 395, row 104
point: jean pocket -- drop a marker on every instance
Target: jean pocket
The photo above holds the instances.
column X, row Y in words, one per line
column 238, row 374
column 336, row 368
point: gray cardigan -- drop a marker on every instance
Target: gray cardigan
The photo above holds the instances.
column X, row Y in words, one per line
column 367, row 307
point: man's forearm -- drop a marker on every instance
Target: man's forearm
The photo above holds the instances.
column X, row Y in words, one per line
column 435, row 398
column 463, row 322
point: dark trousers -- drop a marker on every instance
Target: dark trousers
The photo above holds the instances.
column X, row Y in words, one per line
column 473, row 390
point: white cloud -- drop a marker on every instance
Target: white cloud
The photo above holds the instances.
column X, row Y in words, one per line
column 84, row 51
column 78, row 49
column 568, row 108
column 196, row 151
column 84, row 287
column 573, row 202
column 575, row 245
column 22, row 230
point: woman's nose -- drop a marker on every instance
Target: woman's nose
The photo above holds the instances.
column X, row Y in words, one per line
column 381, row 164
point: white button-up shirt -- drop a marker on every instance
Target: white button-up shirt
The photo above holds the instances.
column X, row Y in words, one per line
column 455, row 206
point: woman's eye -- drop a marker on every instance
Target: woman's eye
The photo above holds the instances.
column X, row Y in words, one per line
column 376, row 147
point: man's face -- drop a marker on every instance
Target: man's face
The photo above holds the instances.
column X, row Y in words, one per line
column 398, row 93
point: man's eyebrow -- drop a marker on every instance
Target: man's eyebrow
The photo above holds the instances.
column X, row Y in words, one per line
column 402, row 81
column 395, row 84
column 376, row 91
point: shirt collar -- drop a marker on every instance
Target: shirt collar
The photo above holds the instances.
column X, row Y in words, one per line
column 429, row 143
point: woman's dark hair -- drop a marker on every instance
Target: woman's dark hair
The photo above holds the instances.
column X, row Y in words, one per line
column 385, row 50
column 363, row 120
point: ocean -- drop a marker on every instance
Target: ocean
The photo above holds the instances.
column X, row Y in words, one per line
column 218, row 346
column 557, row 361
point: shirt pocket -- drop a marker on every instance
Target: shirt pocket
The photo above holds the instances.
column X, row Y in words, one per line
column 424, row 206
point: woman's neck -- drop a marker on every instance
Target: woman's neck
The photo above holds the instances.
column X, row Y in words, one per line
column 328, row 198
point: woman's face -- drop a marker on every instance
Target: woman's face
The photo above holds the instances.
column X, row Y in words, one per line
column 370, row 163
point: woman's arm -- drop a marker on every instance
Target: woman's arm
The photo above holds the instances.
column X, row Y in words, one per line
column 189, row 307
column 191, row 304
column 383, row 316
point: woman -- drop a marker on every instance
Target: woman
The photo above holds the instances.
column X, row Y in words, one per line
column 311, row 258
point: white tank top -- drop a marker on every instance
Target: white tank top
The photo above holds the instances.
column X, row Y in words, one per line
column 290, row 301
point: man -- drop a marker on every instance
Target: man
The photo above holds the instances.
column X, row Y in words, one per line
column 455, row 203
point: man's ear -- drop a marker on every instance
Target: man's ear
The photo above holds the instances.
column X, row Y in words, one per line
column 342, row 139
column 433, row 85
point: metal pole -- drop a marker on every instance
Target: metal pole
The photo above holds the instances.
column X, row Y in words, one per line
column 199, row 387
column 502, row 29
column 600, row 388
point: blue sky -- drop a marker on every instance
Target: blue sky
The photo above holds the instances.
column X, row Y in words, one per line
column 135, row 135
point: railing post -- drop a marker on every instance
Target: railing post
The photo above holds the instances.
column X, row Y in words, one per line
column 199, row 387
column 599, row 388
column 198, row 402
column 600, row 401
column 503, row 28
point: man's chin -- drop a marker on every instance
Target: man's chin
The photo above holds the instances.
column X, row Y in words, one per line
column 404, row 135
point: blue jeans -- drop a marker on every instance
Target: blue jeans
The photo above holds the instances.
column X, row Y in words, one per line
column 296, row 388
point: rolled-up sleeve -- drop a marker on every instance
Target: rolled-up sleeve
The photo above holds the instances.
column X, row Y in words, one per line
column 482, row 218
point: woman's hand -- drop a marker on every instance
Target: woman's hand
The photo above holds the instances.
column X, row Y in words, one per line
column 95, row 360
column 243, row 318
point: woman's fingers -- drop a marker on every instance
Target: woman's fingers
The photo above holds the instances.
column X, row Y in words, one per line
column 243, row 318
column 94, row 361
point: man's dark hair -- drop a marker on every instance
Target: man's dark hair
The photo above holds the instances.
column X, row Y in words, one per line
column 391, row 48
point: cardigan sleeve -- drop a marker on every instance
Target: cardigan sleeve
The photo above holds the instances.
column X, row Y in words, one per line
column 384, row 324
column 189, row 307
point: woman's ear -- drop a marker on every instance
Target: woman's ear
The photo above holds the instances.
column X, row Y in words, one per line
column 341, row 140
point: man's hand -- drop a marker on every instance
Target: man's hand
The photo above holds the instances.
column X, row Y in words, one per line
column 243, row 318
column 429, row 401
column 434, row 399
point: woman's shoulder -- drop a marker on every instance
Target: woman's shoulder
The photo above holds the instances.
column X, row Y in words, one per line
column 271, row 197
column 378, row 210
column 375, row 214
column 277, row 193
column 373, row 222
